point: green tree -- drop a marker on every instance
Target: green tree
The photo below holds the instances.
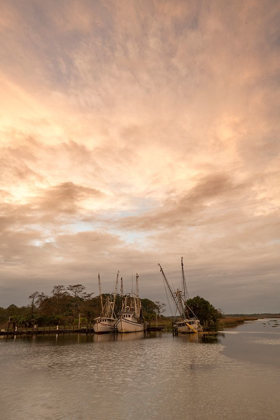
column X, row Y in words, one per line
column 78, row 297
column 148, row 309
column 205, row 311
column 33, row 299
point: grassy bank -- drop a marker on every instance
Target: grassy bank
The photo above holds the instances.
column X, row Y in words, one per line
column 225, row 322
column 234, row 321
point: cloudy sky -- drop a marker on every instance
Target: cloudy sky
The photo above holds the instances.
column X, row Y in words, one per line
column 135, row 132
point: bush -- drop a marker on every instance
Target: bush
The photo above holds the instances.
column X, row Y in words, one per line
column 205, row 311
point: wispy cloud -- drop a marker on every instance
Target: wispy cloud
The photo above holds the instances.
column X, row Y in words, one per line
column 133, row 133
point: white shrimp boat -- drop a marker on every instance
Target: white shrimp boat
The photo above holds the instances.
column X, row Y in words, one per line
column 104, row 325
column 106, row 322
column 128, row 323
column 130, row 317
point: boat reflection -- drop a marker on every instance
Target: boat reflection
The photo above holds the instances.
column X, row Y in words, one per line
column 131, row 336
column 213, row 338
column 104, row 338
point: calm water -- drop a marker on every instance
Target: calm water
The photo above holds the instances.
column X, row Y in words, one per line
column 131, row 377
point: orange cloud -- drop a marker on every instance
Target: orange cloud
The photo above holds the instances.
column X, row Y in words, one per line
column 140, row 132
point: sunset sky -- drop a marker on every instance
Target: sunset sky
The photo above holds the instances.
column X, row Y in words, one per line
column 135, row 132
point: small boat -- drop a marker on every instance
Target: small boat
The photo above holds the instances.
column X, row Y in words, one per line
column 130, row 317
column 188, row 326
column 189, row 322
column 106, row 322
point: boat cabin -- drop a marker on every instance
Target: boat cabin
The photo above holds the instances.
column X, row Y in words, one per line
column 107, row 320
column 128, row 313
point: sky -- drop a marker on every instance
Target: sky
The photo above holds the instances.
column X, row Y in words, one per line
column 137, row 132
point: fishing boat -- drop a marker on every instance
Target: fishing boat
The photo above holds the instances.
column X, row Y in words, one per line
column 130, row 317
column 107, row 320
column 189, row 323
column 188, row 326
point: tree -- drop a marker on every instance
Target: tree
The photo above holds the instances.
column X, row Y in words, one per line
column 33, row 299
column 160, row 307
column 59, row 302
column 205, row 311
column 78, row 296
column 148, row 308
column 76, row 290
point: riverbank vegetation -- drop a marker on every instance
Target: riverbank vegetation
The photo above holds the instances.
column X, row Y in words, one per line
column 68, row 307
column 208, row 315
column 72, row 307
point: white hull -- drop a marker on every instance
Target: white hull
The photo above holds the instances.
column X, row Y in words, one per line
column 103, row 327
column 188, row 326
column 127, row 326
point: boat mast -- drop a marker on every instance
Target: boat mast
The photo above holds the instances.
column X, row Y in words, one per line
column 170, row 291
column 100, row 294
column 184, row 283
column 137, row 285
column 115, row 293
column 137, row 299
column 185, row 290
column 181, row 302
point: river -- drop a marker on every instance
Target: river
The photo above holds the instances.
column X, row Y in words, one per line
column 155, row 377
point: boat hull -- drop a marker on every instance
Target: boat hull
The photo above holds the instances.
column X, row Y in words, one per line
column 127, row 326
column 185, row 327
column 102, row 327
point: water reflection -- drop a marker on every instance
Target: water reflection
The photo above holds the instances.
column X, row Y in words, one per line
column 213, row 338
column 101, row 338
column 132, row 336
column 141, row 376
column 104, row 338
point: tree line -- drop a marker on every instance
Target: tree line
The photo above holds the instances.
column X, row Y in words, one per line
column 73, row 305
column 66, row 306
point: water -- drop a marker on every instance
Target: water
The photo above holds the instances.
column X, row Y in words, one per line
column 236, row 376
